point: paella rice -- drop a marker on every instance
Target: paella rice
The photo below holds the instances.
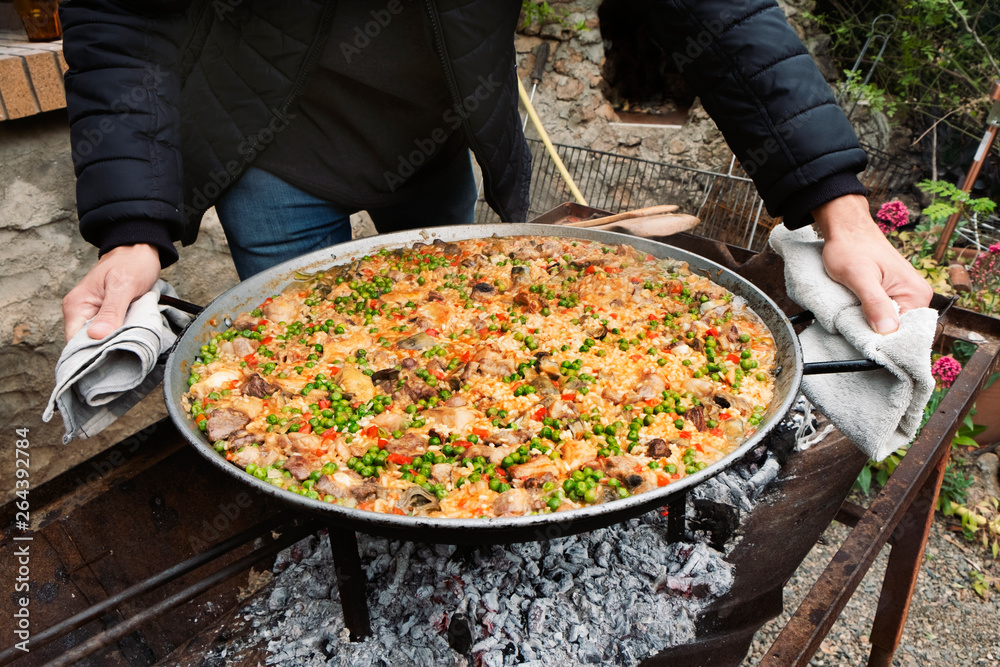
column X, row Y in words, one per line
column 485, row 378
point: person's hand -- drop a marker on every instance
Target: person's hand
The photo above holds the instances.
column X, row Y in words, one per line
column 858, row 256
column 120, row 277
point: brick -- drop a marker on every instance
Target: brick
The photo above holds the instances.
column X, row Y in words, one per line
column 15, row 88
column 47, row 80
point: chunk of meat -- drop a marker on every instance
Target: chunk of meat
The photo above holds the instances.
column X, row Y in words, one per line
column 244, row 322
column 536, row 467
column 507, row 436
column 697, row 417
column 640, row 482
column 520, row 275
column 435, row 296
column 563, row 410
column 257, row 386
column 456, row 402
column 726, row 400
column 614, row 393
column 733, row 336
column 622, row 466
column 299, row 466
column 577, row 452
column 513, row 502
column 413, row 390
column 543, row 385
column 355, row 384
column 454, row 419
column 648, row 387
column 533, row 303
column 242, row 439
column 595, row 329
column 346, row 484
column 549, row 365
column 418, row 341
column 483, row 292
column 733, row 430
column 251, row 453
column 492, row 363
column 216, row 381
column 390, row 421
column 244, row 346
column 441, row 472
column 700, row 388
column 223, row 422
column 301, row 443
column 657, row 448
column 539, row 481
column 283, row 308
column 410, row 444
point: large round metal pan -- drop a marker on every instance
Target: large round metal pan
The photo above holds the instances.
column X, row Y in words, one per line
column 248, row 294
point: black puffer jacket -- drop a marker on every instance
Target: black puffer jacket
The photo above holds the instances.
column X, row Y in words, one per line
column 171, row 100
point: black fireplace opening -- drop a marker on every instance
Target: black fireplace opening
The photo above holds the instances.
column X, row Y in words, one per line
column 640, row 78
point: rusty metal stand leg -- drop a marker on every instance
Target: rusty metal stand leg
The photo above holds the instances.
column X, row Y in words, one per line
column 676, row 519
column 908, row 544
column 351, row 581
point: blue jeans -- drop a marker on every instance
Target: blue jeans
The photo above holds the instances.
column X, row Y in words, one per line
column 267, row 221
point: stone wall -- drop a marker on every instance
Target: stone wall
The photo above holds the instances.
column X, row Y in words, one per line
column 572, row 105
column 43, row 257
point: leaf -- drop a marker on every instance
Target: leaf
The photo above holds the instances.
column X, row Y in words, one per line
column 882, row 477
column 964, row 441
column 864, row 480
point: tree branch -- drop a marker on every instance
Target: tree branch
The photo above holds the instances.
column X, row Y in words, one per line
column 975, row 36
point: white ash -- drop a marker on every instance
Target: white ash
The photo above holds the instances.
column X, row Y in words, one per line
column 612, row 596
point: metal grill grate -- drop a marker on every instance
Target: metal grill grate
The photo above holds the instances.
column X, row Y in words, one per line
column 727, row 203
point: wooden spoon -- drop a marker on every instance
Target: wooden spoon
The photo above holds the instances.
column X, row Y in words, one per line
column 652, row 226
column 637, row 213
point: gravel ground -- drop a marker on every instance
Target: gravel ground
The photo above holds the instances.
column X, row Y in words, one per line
column 948, row 623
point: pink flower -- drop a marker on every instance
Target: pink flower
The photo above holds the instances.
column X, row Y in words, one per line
column 892, row 215
column 985, row 271
column 945, row 370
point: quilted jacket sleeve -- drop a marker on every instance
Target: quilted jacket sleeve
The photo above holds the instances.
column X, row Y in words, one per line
column 761, row 86
column 122, row 91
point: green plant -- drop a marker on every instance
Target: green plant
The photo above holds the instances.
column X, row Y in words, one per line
column 938, row 62
column 877, row 99
column 982, row 584
column 954, row 489
column 535, row 12
column 950, row 199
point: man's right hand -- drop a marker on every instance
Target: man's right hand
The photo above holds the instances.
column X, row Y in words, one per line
column 121, row 276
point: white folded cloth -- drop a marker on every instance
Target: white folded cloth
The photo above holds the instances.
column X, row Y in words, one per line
column 98, row 381
column 879, row 410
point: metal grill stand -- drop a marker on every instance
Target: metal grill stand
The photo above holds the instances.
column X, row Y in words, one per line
column 99, row 592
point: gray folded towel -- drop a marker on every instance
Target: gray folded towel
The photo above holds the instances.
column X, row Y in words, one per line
column 880, row 410
column 98, row 381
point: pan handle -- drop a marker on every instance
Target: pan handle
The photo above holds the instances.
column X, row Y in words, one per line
column 180, row 304
column 848, row 366
column 824, row 367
